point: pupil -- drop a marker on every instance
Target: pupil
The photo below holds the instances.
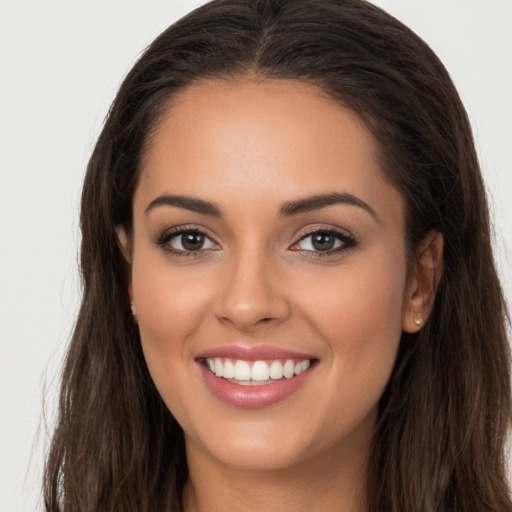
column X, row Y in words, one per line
column 192, row 241
column 323, row 241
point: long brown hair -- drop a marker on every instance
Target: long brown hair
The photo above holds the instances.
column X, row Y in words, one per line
column 444, row 417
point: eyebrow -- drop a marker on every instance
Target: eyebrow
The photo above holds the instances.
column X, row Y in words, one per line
column 189, row 203
column 289, row 209
column 317, row 202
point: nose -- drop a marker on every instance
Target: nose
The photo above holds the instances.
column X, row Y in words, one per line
column 252, row 294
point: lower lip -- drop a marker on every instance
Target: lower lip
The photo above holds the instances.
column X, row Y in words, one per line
column 252, row 397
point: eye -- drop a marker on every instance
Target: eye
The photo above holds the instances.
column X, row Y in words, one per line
column 186, row 242
column 324, row 241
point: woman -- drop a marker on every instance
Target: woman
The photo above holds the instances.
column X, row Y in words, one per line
column 290, row 300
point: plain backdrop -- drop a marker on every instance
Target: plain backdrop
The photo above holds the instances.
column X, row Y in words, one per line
column 61, row 63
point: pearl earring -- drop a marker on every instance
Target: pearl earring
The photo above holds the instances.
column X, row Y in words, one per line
column 418, row 321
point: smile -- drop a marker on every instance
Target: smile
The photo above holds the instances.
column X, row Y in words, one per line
column 254, row 373
column 254, row 377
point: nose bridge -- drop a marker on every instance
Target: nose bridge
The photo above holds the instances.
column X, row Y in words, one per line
column 250, row 295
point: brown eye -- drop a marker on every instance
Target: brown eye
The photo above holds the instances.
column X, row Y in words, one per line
column 186, row 242
column 323, row 241
column 320, row 241
column 192, row 241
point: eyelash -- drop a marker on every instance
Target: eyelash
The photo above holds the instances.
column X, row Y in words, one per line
column 164, row 240
column 346, row 242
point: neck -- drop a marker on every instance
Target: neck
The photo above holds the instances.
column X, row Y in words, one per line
column 331, row 481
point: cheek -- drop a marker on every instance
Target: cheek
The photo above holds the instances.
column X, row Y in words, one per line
column 366, row 296
column 167, row 300
column 170, row 310
column 360, row 318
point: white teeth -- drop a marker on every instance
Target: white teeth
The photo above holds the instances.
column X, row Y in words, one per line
column 242, row 370
column 218, row 367
column 276, row 370
column 229, row 370
column 260, row 371
column 305, row 365
column 289, row 368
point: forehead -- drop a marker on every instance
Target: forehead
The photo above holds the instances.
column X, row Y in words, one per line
column 275, row 138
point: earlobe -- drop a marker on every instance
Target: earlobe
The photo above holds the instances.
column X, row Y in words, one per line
column 423, row 282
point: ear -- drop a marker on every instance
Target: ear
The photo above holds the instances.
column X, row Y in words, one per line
column 125, row 247
column 124, row 243
column 425, row 274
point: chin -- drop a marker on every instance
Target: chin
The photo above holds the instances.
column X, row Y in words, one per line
column 257, row 454
column 270, row 445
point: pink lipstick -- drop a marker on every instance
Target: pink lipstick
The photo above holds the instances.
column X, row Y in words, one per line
column 254, row 377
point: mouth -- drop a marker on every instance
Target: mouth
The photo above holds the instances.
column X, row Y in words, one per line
column 254, row 377
column 256, row 373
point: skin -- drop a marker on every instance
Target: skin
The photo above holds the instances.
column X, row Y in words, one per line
column 249, row 147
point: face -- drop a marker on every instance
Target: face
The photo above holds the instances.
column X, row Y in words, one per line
column 269, row 273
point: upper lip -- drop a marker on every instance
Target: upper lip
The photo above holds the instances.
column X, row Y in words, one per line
column 252, row 353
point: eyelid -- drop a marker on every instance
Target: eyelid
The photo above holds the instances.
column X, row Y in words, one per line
column 348, row 241
column 163, row 240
